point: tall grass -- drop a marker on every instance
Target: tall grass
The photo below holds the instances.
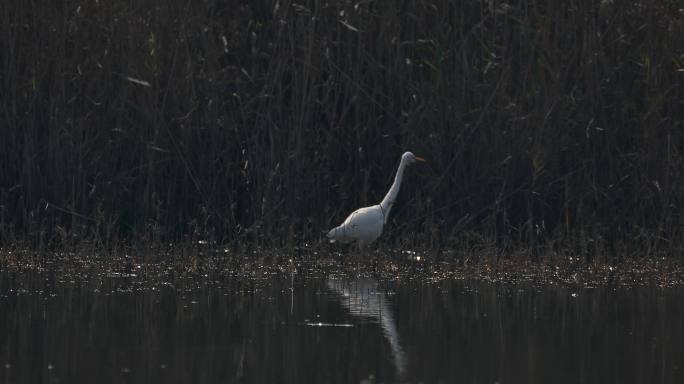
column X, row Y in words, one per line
column 268, row 121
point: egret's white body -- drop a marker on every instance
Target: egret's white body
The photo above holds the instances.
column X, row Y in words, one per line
column 365, row 224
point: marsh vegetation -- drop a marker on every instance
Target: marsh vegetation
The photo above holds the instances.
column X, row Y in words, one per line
column 547, row 129
column 169, row 170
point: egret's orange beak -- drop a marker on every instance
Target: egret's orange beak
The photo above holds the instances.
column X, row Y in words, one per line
column 419, row 159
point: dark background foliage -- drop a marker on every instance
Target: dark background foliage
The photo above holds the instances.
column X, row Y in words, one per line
column 269, row 121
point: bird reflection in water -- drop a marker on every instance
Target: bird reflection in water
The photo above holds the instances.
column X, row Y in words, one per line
column 362, row 299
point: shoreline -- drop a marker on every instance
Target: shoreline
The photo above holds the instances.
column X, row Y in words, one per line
column 255, row 265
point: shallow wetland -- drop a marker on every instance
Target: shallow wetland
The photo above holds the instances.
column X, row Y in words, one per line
column 548, row 191
column 336, row 319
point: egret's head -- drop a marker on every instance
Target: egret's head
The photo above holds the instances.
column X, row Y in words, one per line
column 410, row 158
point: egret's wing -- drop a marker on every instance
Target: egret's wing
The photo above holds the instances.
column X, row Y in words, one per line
column 364, row 222
column 353, row 224
column 346, row 231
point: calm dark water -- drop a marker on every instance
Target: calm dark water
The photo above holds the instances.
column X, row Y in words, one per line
column 294, row 329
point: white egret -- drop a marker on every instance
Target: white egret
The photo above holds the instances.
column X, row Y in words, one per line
column 365, row 224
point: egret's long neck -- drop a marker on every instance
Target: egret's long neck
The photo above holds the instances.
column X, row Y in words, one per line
column 391, row 196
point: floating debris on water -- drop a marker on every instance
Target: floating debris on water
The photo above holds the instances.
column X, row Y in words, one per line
column 321, row 324
column 214, row 267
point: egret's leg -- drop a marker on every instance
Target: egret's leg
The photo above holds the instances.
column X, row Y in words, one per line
column 361, row 253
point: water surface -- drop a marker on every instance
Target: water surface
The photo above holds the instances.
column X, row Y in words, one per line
column 293, row 328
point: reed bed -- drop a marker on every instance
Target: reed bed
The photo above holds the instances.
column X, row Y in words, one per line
column 547, row 127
